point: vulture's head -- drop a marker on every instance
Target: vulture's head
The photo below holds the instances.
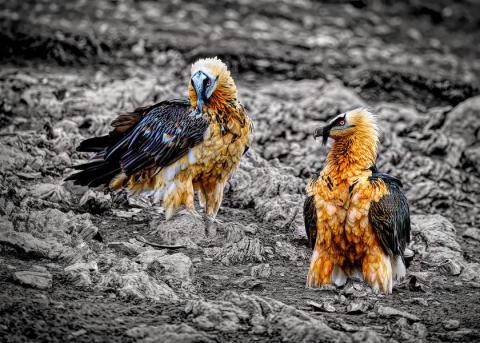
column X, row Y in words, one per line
column 211, row 84
column 358, row 125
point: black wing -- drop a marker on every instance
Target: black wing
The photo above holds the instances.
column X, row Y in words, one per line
column 310, row 219
column 390, row 216
column 158, row 136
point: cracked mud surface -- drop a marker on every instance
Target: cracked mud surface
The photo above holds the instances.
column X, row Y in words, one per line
column 69, row 68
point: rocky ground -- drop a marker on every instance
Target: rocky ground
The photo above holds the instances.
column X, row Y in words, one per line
column 82, row 265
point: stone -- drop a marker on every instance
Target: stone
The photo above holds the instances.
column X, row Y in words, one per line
column 451, row 324
column 471, row 272
column 95, row 202
column 58, row 225
column 472, row 233
column 79, row 273
column 387, row 312
column 172, row 268
column 182, row 229
column 138, row 285
column 436, row 239
column 35, row 279
column 262, row 270
column 412, row 333
column 450, row 267
column 169, row 333
column 25, row 243
column 51, row 192
column 323, row 307
column 288, row 251
column 246, row 250
column 462, row 121
column 219, row 315
column 357, row 307
column 234, row 312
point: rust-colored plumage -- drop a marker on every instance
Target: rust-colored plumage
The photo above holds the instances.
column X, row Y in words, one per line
column 175, row 148
column 357, row 219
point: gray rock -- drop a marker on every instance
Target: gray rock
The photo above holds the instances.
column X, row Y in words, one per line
column 96, row 202
column 79, row 273
column 274, row 192
column 411, row 333
column 35, row 279
column 37, row 268
column 471, row 272
column 182, row 229
column 436, row 240
column 138, row 285
column 289, row 251
column 472, row 233
column 450, row 267
column 234, row 312
column 451, row 324
column 27, row 244
column 387, row 312
column 324, row 306
column 172, row 269
column 51, row 192
column 463, row 122
column 169, row 333
column 219, row 315
column 247, row 250
column 54, row 224
column 357, row 307
column 262, row 270
column 129, row 279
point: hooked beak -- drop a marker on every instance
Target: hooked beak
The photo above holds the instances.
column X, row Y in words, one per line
column 323, row 132
column 200, row 82
column 200, row 104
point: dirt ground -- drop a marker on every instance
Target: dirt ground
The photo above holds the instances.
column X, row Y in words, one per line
column 74, row 265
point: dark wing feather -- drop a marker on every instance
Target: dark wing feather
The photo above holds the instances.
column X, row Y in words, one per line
column 310, row 219
column 390, row 216
column 163, row 136
column 153, row 136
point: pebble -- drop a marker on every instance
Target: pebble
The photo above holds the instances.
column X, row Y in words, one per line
column 35, row 279
column 451, row 324
column 472, row 233
column 356, row 307
column 387, row 312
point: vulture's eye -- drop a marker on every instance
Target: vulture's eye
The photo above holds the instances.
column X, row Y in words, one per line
column 209, row 82
column 342, row 122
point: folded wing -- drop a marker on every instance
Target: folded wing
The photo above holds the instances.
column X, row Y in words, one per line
column 390, row 217
column 149, row 137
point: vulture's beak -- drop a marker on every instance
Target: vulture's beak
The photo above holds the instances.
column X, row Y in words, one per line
column 323, row 132
column 199, row 80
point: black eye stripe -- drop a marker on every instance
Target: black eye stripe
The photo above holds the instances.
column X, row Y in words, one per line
column 340, row 121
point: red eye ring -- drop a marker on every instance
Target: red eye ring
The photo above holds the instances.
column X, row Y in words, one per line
column 342, row 122
column 209, row 82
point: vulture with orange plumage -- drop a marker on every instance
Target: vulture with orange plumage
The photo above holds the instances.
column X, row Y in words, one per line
column 357, row 219
column 175, row 148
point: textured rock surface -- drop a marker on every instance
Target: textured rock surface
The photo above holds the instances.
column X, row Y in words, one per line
column 68, row 68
